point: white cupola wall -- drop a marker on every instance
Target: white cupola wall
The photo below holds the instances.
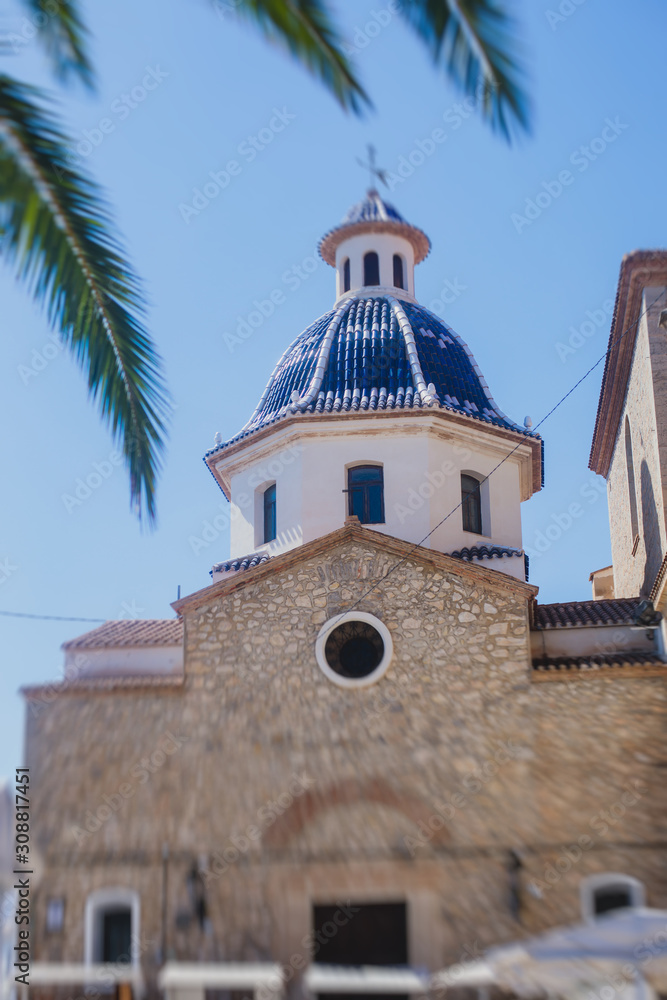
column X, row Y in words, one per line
column 378, row 411
column 420, row 462
column 381, row 261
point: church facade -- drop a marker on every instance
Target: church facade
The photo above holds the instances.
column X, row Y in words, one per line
column 365, row 743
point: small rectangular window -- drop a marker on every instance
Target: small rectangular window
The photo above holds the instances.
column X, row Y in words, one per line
column 55, row 915
column 371, row 268
column 117, row 936
column 471, row 504
column 270, row 513
column 365, row 488
column 398, row 272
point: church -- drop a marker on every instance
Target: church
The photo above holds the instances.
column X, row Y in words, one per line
column 364, row 752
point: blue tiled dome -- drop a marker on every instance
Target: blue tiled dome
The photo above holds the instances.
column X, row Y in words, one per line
column 372, row 209
column 376, row 353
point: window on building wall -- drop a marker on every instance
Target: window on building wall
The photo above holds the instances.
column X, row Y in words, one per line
column 632, row 489
column 111, row 926
column 116, row 935
column 365, row 491
column 371, row 268
column 399, row 279
column 471, row 504
column 602, row 894
column 270, row 513
column 55, row 915
column 346, row 275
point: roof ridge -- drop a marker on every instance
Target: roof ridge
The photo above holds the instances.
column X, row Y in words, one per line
column 131, row 632
column 410, row 346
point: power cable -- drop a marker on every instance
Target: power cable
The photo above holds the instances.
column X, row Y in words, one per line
column 50, row 618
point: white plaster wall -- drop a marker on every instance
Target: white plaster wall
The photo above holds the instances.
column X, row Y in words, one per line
column 123, row 660
column 385, row 246
column 280, row 465
column 501, row 495
column 422, row 482
column 598, row 640
column 403, row 457
column 512, row 565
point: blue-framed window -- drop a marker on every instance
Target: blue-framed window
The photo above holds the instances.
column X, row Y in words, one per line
column 365, row 491
column 346, row 275
column 270, row 513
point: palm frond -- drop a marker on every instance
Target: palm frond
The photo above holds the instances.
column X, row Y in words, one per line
column 63, row 33
column 472, row 40
column 58, row 234
column 305, row 28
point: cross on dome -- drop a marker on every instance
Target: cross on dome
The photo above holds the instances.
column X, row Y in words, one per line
column 375, row 172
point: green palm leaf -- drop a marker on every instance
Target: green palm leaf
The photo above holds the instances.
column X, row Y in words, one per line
column 305, row 28
column 64, row 36
column 58, row 234
column 472, row 41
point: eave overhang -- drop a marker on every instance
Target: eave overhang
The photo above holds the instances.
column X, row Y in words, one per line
column 639, row 270
column 221, row 461
column 329, row 243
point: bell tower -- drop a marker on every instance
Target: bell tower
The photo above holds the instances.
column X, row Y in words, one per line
column 630, row 439
column 375, row 249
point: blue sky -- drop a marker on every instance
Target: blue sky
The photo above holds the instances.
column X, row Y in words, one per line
column 522, row 287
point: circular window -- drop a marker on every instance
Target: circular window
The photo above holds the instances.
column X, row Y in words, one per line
column 354, row 649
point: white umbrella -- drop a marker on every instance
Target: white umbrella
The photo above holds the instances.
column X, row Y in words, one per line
column 620, row 952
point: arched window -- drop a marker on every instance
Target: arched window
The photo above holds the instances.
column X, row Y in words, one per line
column 471, row 504
column 112, row 927
column 601, row 894
column 365, row 492
column 632, row 490
column 270, row 513
column 399, row 280
column 346, row 274
column 371, row 268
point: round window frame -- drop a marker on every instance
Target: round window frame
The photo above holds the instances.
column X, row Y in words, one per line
column 354, row 682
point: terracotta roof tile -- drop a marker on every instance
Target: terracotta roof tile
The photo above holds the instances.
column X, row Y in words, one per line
column 141, row 632
column 620, row 611
column 565, row 664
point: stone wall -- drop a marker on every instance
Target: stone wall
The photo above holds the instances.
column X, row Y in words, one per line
column 646, row 410
column 285, row 790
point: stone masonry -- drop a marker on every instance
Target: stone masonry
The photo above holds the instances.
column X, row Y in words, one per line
column 282, row 789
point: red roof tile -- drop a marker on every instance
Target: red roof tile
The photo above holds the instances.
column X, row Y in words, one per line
column 141, row 632
column 620, row 611
column 568, row 664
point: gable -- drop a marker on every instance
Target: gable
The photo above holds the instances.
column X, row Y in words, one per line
column 384, row 552
column 458, row 632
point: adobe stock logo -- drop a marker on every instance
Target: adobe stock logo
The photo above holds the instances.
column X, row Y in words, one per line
column 560, row 522
column 581, row 158
column 84, row 488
